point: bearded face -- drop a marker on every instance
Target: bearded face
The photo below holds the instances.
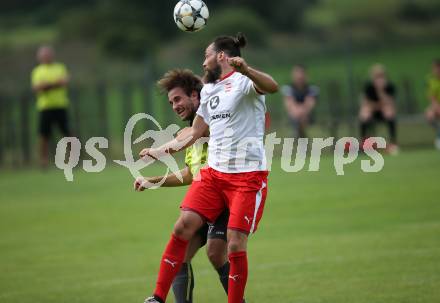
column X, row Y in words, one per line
column 212, row 69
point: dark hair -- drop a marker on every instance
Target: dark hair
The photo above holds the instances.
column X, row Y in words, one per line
column 183, row 78
column 230, row 45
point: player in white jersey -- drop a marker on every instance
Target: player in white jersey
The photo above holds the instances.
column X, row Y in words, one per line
column 235, row 112
column 233, row 109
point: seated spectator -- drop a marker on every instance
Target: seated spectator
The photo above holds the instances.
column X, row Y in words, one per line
column 378, row 104
column 300, row 98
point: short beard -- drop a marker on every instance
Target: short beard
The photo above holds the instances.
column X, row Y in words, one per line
column 191, row 116
column 211, row 76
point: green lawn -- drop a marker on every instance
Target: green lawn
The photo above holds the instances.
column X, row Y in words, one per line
column 355, row 238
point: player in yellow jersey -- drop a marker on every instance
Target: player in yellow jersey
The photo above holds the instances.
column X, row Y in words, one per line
column 433, row 110
column 49, row 82
column 183, row 90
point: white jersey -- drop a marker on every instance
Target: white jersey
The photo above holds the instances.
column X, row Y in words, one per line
column 235, row 113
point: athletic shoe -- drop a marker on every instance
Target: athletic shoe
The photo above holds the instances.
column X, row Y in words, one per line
column 151, row 300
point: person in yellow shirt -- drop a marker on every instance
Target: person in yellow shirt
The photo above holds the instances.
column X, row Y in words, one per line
column 49, row 83
column 433, row 110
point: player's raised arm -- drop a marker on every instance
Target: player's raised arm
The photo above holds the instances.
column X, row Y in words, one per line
column 170, row 180
column 183, row 140
column 263, row 82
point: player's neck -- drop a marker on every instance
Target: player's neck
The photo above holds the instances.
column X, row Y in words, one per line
column 226, row 71
column 191, row 119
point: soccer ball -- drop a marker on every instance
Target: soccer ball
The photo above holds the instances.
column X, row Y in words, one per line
column 191, row 15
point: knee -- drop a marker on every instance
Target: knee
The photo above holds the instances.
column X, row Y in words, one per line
column 388, row 111
column 389, row 114
column 187, row 225
column 236, row 245
column 182, row 229
column 179, row 228
column 216, row 257
column 364, row 116
column 233, row 246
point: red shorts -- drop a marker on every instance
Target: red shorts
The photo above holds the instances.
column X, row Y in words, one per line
column 244, row 194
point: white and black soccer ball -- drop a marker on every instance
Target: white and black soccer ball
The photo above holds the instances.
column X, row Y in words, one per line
column 191, row 15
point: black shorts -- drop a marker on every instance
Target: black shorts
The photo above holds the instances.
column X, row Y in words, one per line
column 218, row 230
column 378, row 115
column 51, row 117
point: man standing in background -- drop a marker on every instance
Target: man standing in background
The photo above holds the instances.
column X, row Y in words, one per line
column 300, row 98
column 49, row 82
column 433, row 110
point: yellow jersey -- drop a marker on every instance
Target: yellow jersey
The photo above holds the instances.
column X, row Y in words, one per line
column 55, row 98
column 434, row 88
column 196, row 157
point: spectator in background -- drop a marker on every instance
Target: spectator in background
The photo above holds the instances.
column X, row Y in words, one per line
column 433, row 110
column 49, row 82
column 378, row 104
column 300, row 98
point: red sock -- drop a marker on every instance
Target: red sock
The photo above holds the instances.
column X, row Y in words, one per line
column 237, row 276
column 170, row 265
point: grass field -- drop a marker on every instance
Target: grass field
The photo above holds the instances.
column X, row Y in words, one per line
column 355, row 238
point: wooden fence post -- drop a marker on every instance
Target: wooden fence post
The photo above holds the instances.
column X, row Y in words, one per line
column 76, row 111
column 11, row 132
column 408, row 98
column 103, row 113
column 24, row 128
column 127, row 102
column 147, row 102
column 2, row 129
column 334, row 103
column 353, row 107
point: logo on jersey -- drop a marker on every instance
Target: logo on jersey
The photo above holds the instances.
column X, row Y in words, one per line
column 228, row 87
column 214, row 102
column 221, row 116
column 234, row 277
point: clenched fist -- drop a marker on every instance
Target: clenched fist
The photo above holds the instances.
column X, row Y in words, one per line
column 141, row 184
column 145, row 152
column 239, row 65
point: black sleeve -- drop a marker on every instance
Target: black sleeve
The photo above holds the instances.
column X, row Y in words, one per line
column 370, row 92
column 391, row 90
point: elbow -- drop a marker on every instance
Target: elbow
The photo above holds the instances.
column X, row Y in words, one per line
column 187, row 180
column 273, row 88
